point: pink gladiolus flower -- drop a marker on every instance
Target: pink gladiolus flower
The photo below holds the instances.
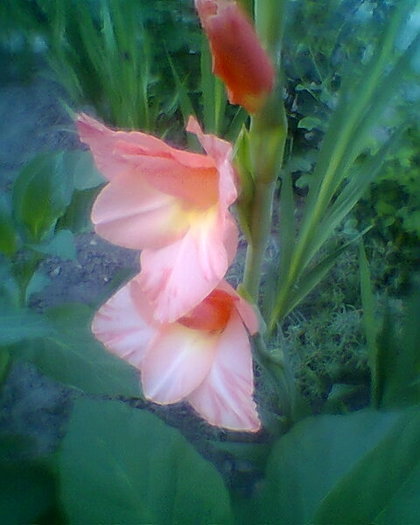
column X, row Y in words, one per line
column 238, row 57
column 172, row 205
column 203, row 358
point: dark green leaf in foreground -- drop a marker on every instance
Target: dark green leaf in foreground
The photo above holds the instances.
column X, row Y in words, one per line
column 27, row 487
column 306, row 463
column 399, row 357
column 383, row 488
column 72, row 355
column 123, row 465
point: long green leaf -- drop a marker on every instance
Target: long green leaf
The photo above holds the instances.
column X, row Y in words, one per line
column 72, row 356
column 19, row 325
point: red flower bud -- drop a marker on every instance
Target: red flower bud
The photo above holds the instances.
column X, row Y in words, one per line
column 238, row 57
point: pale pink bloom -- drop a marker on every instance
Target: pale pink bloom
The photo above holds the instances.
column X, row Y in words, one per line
column 172, row 205
column 204, row 358
column 238, row 57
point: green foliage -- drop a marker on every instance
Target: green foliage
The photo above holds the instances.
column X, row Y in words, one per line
column 20, row 324
column 308, row 462
column 28, row 486
column 120, row 464
column 71, row 355
column 392, row 205
column 48, row 204
column 8, row 234
column 132, row 468
column 382, row 487
column 328, row 352
column 337, row 183
column 359, row 468
column 112, row 54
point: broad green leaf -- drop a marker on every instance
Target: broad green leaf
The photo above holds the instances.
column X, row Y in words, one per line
column 61, row 245
column 19, row 325
column 311, row 123
column 398, row 359
column 9, row 288
column 72, row 355
column 9, row 238
column 36, row 284
column 383, row 488
column 26, row 493
column 306, row 463
column 41, row 194
column 27, row 487
column 123, row 465
column 77, row 215
column 85, row 174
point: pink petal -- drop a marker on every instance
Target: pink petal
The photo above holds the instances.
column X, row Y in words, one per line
column 197, row 185
column 224, row 398
column 221, row 152
column 102, row 141
column 176, row 363
column 130, row 213
column 123, row 324
column 120, row 152
column 178, row 277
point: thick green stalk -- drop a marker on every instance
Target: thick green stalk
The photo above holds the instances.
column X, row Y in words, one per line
column 260, row 231
column 267, row 138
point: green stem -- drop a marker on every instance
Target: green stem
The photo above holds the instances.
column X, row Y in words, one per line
column 267, row 138
column 260, row 231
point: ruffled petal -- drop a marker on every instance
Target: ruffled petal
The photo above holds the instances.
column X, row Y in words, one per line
column 178, row 277
column 177, row 362
column 221, row 152
column 196, row 185
column 224, row 398
column 103, row 141
column 130, row 213
column 124, row 324
column 117, row 152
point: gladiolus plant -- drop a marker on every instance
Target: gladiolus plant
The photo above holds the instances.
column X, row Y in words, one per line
column 178, row 322
column 189, row 391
